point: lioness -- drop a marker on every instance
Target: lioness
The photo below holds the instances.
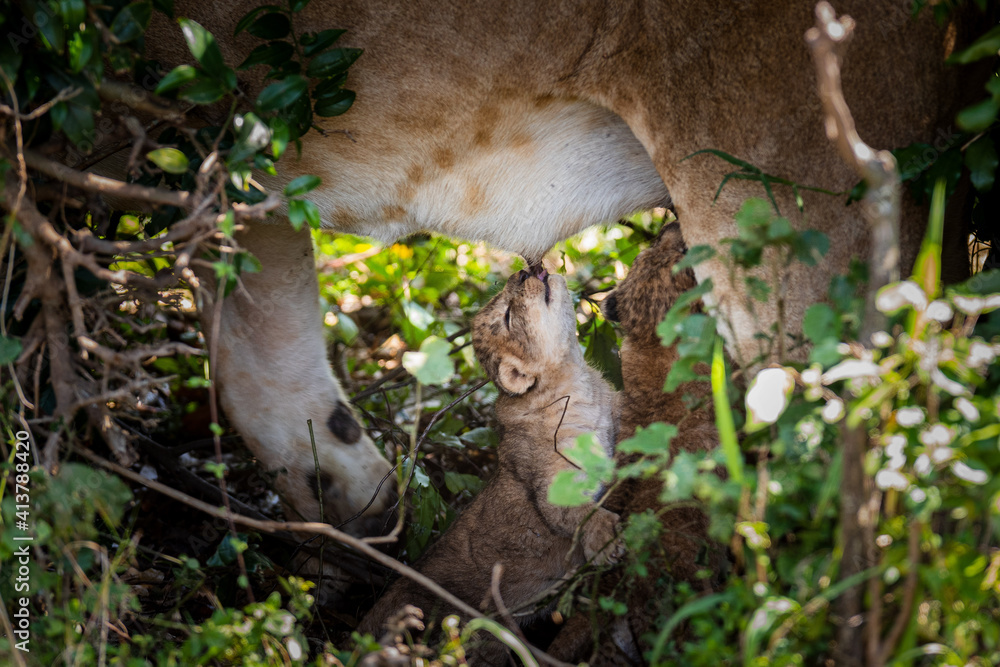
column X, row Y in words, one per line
column 525, row 338
column 639, row 304
column 522, row 123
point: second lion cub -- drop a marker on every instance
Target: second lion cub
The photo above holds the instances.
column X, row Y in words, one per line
column 525, row 339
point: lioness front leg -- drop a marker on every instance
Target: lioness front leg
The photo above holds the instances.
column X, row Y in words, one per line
column 273, row 375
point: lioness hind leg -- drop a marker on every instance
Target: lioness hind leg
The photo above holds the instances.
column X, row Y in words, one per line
column 273, row 374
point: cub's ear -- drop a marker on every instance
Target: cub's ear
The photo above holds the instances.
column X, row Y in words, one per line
column 610, row 307
column 513, row 377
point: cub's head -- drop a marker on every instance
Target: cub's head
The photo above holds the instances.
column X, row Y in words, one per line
column 641, row 300
column 527, row 332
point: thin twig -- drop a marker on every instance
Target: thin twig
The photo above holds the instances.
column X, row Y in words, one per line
column 293, row 526
column 909, row 592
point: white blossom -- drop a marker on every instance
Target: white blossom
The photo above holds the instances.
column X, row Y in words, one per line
column 851, row 368
column 909, row 417
column 833, row 410
column 893, row 297
column 811, row 376
column 881, row 339
column 946, row 383
column 967, row 409
column 937, row 435
column 939, row 311
column 917, row 495
column 942, row 454
column 891, row 479
column 768, row 394
column 974, row 305
column 971, row 475
column 922, row 465
column 970, row 305
column 980, row 354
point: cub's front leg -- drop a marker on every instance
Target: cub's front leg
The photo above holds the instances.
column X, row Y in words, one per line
column 598, row 538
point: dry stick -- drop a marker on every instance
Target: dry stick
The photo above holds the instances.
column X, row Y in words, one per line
column 909, row 592
column 108, row 186
column 138, row 99
column 294, row 526
column 827, row 42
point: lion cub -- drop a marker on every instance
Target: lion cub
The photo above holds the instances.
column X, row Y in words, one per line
column 525, row 339
column 639, row 304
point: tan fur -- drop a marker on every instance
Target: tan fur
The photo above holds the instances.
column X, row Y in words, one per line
column 536, row 363
column 639, row 304
column 521, row 123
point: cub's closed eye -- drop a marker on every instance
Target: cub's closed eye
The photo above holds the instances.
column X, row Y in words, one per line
column 506, row 318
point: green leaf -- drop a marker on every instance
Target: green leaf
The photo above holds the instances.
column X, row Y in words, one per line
column 169, row 160
column 654, row 439
column 228, row 224
column 458, row 482
column 273, row 25
column 724, row 415
column 299, row 5
column 249, row 17
column 979, row 116
column 758, row 288
column 985, row 47
column 10, row 350
column 417, row 315
column 302, row 185
column 590, row 456
column 271, row 54
column 669, row 328
column 175, row 78
column 205, row 50
column 313, row 44
column 335, row 104
column 204, row 91
column 332, row 62
column 280, row 136
column 480, row 437
column 73, row 11
column 312, row 214
column 328, row 88
column 981, row 159
column 77, row 121
column 927, row 267
column 600, row 352
column 131, row 21
column 692, row 608
column 811, row 246
column 433, row 363
column 303, row 211
column 754, row 215
column 820, row 323
column 81, row 47
column 693, row 257
column 282, row 94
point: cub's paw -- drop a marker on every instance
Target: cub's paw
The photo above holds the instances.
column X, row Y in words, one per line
column 601, row 543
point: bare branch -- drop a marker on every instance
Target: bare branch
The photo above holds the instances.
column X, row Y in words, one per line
column 108, row 186
column 881, row 204
column 140, row 100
